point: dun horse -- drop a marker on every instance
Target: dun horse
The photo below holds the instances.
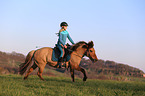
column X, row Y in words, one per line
column 43, row 56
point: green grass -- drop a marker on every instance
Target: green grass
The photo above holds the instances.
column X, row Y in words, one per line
column 14, row 85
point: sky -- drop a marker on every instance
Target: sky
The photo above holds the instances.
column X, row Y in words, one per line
column 117, row 27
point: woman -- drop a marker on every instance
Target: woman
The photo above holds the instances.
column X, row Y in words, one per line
column 63, row 35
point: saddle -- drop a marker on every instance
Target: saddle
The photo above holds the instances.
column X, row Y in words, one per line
column 56, row 53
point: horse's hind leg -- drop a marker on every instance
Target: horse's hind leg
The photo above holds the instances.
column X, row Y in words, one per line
column 72, row 74
column 40, row 73
column 30, row 70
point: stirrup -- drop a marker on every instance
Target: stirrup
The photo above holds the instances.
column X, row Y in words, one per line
column 61, row 65
column 58, row 64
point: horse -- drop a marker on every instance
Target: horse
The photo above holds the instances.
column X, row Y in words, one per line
column 43, row 56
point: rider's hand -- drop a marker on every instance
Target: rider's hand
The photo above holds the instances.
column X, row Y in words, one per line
column 65, row 46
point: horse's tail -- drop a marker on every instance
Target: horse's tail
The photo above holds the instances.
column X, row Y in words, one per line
column 23, row 67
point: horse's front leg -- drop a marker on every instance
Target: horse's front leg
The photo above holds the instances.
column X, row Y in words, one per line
column 72, row 74
column 83, row 71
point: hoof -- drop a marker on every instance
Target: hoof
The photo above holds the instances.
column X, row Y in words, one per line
column 25, row 78
column 85, row 78
column 43, row 80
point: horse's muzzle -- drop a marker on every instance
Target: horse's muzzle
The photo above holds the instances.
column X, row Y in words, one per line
column 94, row 60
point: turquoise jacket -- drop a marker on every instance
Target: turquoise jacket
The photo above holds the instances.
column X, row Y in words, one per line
column 62, row 38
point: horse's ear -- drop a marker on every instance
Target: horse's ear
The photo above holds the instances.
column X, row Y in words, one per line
column 90, row 44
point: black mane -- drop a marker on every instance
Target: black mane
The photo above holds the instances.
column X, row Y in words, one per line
column 75, row 46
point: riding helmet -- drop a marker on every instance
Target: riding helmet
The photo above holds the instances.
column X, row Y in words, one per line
column 63, row 24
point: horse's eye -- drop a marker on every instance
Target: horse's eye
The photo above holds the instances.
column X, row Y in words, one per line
column 91, row 51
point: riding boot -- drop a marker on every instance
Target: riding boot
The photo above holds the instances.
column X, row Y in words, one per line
column 60, row 62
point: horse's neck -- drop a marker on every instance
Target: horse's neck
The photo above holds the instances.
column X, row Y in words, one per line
column 79, row 53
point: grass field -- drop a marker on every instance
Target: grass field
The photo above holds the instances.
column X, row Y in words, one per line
column 14, row 85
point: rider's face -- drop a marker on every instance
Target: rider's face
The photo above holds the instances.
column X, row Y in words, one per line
column 64, row 27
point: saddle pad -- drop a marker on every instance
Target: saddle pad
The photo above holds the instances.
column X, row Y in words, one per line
column 56, row 54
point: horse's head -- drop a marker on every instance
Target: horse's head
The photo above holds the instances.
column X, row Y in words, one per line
column 87, row 49
column 90, row 51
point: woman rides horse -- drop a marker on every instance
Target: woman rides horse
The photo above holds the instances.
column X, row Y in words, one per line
column 43, row 56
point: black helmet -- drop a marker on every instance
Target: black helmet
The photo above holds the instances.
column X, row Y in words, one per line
column 63, row 24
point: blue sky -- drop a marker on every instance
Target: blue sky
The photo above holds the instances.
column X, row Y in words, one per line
column 117, row 27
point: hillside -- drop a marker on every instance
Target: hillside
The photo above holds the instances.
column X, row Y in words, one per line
column 112, row 68
column 9, row 63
